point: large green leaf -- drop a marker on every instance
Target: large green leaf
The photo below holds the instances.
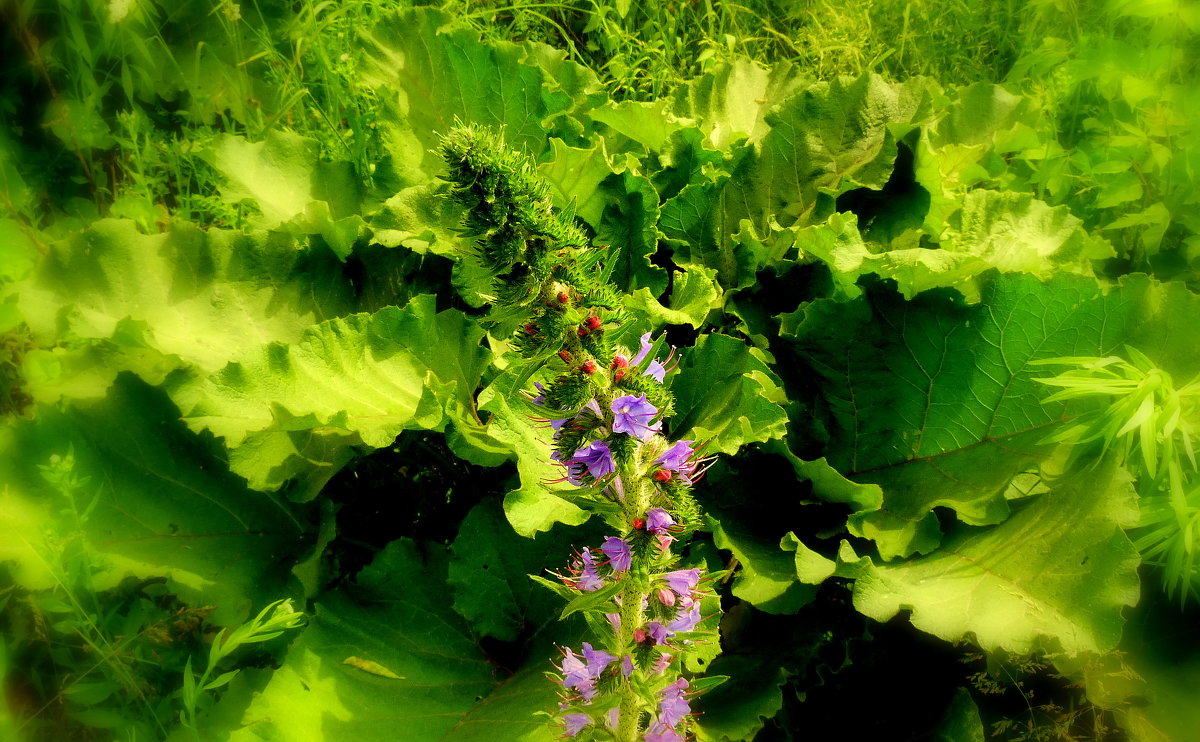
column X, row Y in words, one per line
column 427, row 75
column 725, row 391
column 389, row 659
column 1054, row 577
column 162, row 504
column 285, row 177
column 937, row 402
column 1009, row 232
column 490, row 568
column 110, row 298
column 299, row 409
column 731, row 101
column 828, row 139
column 532, row 507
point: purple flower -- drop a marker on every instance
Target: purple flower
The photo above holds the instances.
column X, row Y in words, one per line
column 677, row 456
column 674, row 706
column 659, row 732
column 614, row 619
column 633, row 416
column 646, row 346
column 658, row 521
column 618, row 553
column 589, row 579
column 597, row 458
column 597, row 659
column 576, row 675
column 627, row 665
column 575, row 722
column 686, row 619
column 683, row 581
column 657, row 632
column 656, row 371
column 613, row 718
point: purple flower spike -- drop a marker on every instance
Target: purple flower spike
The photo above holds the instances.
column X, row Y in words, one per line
column 646, row 346
column 656, row 371
column 658, row 521
column 597, row 458
column 575, row 723
column 618, row 553
column 633, row 416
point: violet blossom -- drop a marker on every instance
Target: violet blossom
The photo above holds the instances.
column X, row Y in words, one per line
column 618, row 553
column 646, row 346
column 574, row 723
column 658, row 521
column 597, row 457
column 674, row 707
column 632, row 415
column 588, row 578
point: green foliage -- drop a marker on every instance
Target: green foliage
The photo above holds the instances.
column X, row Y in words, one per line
column 1145, row 412
column 228, row 272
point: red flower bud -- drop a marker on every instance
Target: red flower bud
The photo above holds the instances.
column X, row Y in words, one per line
column 531, row 329
column 620, row 374
column 581, row 332
column 639, row 524
column 564, row 355
column 620, row 362
column 662, row 475
column 563, row 298
column 588, row 367
column 593, row 322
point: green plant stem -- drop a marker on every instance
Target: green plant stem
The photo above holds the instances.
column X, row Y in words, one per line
column 633, row 601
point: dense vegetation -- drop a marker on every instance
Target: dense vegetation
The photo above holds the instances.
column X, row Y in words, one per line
column 267, row 472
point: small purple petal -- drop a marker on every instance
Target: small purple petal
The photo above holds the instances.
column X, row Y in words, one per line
column 658, row 521
column 627, row 665
column 646, row 346
column 656, row 371
column 659, row 732
column 676, row 457
column 657, row 632
column 686, row 620
column 618, row 553
column 612, row 719
column 589, row 579
column 632, row 415
column 683, row 581
column 597, row 458
column 574, row 723
column 597, row 659
column 574, row 670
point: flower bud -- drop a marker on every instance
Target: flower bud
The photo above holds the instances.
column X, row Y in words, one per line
column 581, row 332
column 588, row 367
column 666, row 597
column 662, row 475
column 593, row 322
column 564, row 355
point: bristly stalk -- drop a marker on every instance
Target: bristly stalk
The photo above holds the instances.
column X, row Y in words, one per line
column 607, row 403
